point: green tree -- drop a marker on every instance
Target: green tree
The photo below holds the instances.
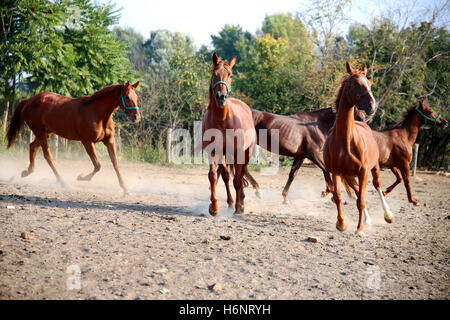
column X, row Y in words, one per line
column 233, row 41
column 163, row 45
column 27, row 34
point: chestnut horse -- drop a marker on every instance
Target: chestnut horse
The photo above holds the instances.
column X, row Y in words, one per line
column 300, row 135
column 230, row 122
column 350, row 149
column 86, row 119
column 395, row 144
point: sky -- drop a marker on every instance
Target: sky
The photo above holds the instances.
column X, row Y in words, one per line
column 202, row 18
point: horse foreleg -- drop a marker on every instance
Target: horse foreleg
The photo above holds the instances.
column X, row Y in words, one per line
column 388, row 216
column 111, row 146
column 337, row 197
column 34, row 147
column 405, row 174
column 49, row 158
column 239, row 187
column 90, row 149
column 212, row 176
column 396, row 172
column 253, row 182
column 294, row 170
column 361, row 202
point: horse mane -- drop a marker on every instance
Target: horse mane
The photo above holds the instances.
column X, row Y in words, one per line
column 100, row 93
column 339, row 94
column 405, row 117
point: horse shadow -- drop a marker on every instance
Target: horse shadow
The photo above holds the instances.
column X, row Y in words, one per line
column 138, row 207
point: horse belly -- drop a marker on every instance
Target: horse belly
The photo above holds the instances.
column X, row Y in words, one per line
column 61, row 122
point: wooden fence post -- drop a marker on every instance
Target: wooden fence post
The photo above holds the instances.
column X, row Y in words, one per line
column 56, row 138
column 169, row 146
column 5, row 116
column 415, row 152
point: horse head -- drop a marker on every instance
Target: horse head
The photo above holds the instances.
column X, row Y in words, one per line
column 359, row 92
column 221, row 79
column 430, row 115
column 129, row 101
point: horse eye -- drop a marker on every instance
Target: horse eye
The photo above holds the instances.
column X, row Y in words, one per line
column 128, row 98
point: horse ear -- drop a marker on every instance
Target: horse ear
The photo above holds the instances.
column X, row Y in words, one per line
column 127, row 84
column 136, row 84
column 233, row 62
column 421, row 104
column 349, row 68
column 365, row 71
column 215, row 59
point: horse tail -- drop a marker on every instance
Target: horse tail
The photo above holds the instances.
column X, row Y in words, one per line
column 16, row 124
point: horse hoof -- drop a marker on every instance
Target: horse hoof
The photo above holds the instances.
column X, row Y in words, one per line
column 258, row 194
column 285, row 201
column 341, row 226
column 325, row 193
column 415, row 202
column 389, row 217
column 213, row 212
column 81, row 178
column 25, row 173
column 360, row 233
column 125, row 193
column 230, row 205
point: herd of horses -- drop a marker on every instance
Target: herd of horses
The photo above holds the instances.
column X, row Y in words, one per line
column 337, row 140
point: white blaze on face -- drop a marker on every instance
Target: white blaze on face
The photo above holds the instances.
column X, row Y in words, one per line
column 368, row 89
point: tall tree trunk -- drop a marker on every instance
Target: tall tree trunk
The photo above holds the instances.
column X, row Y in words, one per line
column 5, row 116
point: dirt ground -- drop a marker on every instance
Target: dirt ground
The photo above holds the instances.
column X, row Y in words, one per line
column 90, row 242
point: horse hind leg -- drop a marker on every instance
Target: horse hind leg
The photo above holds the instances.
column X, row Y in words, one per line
column 253, row 182
column 90, row 149
column 226, row 180
column 292, row 174
column 34, row 147
column 48, row 157
column 388, row 215
column 396, row 172
column 239, row 187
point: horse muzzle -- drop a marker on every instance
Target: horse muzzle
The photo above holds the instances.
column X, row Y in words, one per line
column 443, row 123
column 135, row 118
column 221, row 99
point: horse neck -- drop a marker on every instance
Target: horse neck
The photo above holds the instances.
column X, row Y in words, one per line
column 107, row 104
column 411, row 126
column 345, row 121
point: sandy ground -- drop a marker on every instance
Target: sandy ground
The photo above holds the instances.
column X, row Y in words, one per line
column 89, row 242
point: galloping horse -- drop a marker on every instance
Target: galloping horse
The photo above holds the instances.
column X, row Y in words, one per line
column 301, row 136
column 395, row 144
column 350, row 149
column 227, row 116
column 87, row 119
